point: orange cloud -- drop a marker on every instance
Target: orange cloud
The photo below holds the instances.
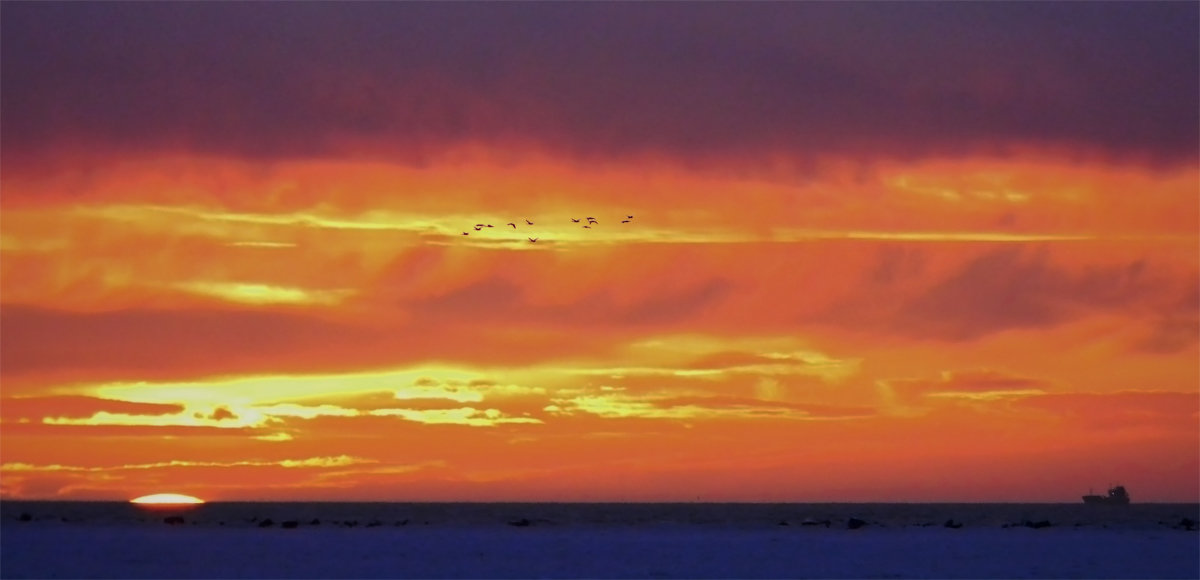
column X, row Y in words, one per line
column 972, row 385
column 314, row 309
column 75, row 406
column 1125, row 409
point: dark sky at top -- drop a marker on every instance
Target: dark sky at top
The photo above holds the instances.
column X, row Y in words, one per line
column 685, row 80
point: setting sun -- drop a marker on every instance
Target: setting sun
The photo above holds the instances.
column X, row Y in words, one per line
column 166, row 498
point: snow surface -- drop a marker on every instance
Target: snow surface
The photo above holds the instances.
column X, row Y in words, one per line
column 53, row 550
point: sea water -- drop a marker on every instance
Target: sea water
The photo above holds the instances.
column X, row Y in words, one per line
column 617, row 540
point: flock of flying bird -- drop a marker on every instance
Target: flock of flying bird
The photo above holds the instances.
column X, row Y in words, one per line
column 591, row 221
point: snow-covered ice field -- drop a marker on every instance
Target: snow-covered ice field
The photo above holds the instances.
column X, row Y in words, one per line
column 461, row 547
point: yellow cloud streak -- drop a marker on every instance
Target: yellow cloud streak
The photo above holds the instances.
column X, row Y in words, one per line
column 373, row 220
column 461, row 416
column 830, row 370
column 183, row 419
column 993, row 395
column 620, row 405
column 311, row 462
column 254, row 401
column 960, row 236
column 262, row 401
column 261, row 244
column 794, row 356
column 989, row 187
column 265, row 416
column 623, row 406
column 553, row 232
column 263, row 293
column 261, row 390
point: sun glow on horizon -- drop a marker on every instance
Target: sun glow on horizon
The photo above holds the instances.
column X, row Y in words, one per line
column 166, row 498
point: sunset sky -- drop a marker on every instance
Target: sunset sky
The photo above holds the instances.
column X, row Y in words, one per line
column 879, row 251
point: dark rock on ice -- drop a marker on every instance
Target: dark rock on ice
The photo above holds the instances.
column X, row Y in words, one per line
column 782, row 523
column 855, row 523
column 25, row 518
column 521, row 523
column 1038, row 524
column 173, row 520
column 374, row 524
column 812, row 522
column 401, row 523
column 315, row 522
column 950, row 523
column 1187, row 523
column 290, row 524
column 266, row 523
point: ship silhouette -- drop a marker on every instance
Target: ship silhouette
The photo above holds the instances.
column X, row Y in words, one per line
column 1116, row 496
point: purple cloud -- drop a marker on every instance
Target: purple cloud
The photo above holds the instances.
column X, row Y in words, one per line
column 1010, row 288
column 693, row 81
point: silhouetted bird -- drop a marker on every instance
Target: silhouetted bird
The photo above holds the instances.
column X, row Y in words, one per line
column 512, row 224
column 624, row 221
column 629, row 216
column 478, row 225
column 477, row 228
column 528, row 222
column 591, row 219
column 574, row 220
column 466, row 234
column 489, row 225
column 533, row 239
column 588, row 227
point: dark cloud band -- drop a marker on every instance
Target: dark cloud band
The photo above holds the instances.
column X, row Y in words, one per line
column 691, row 81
